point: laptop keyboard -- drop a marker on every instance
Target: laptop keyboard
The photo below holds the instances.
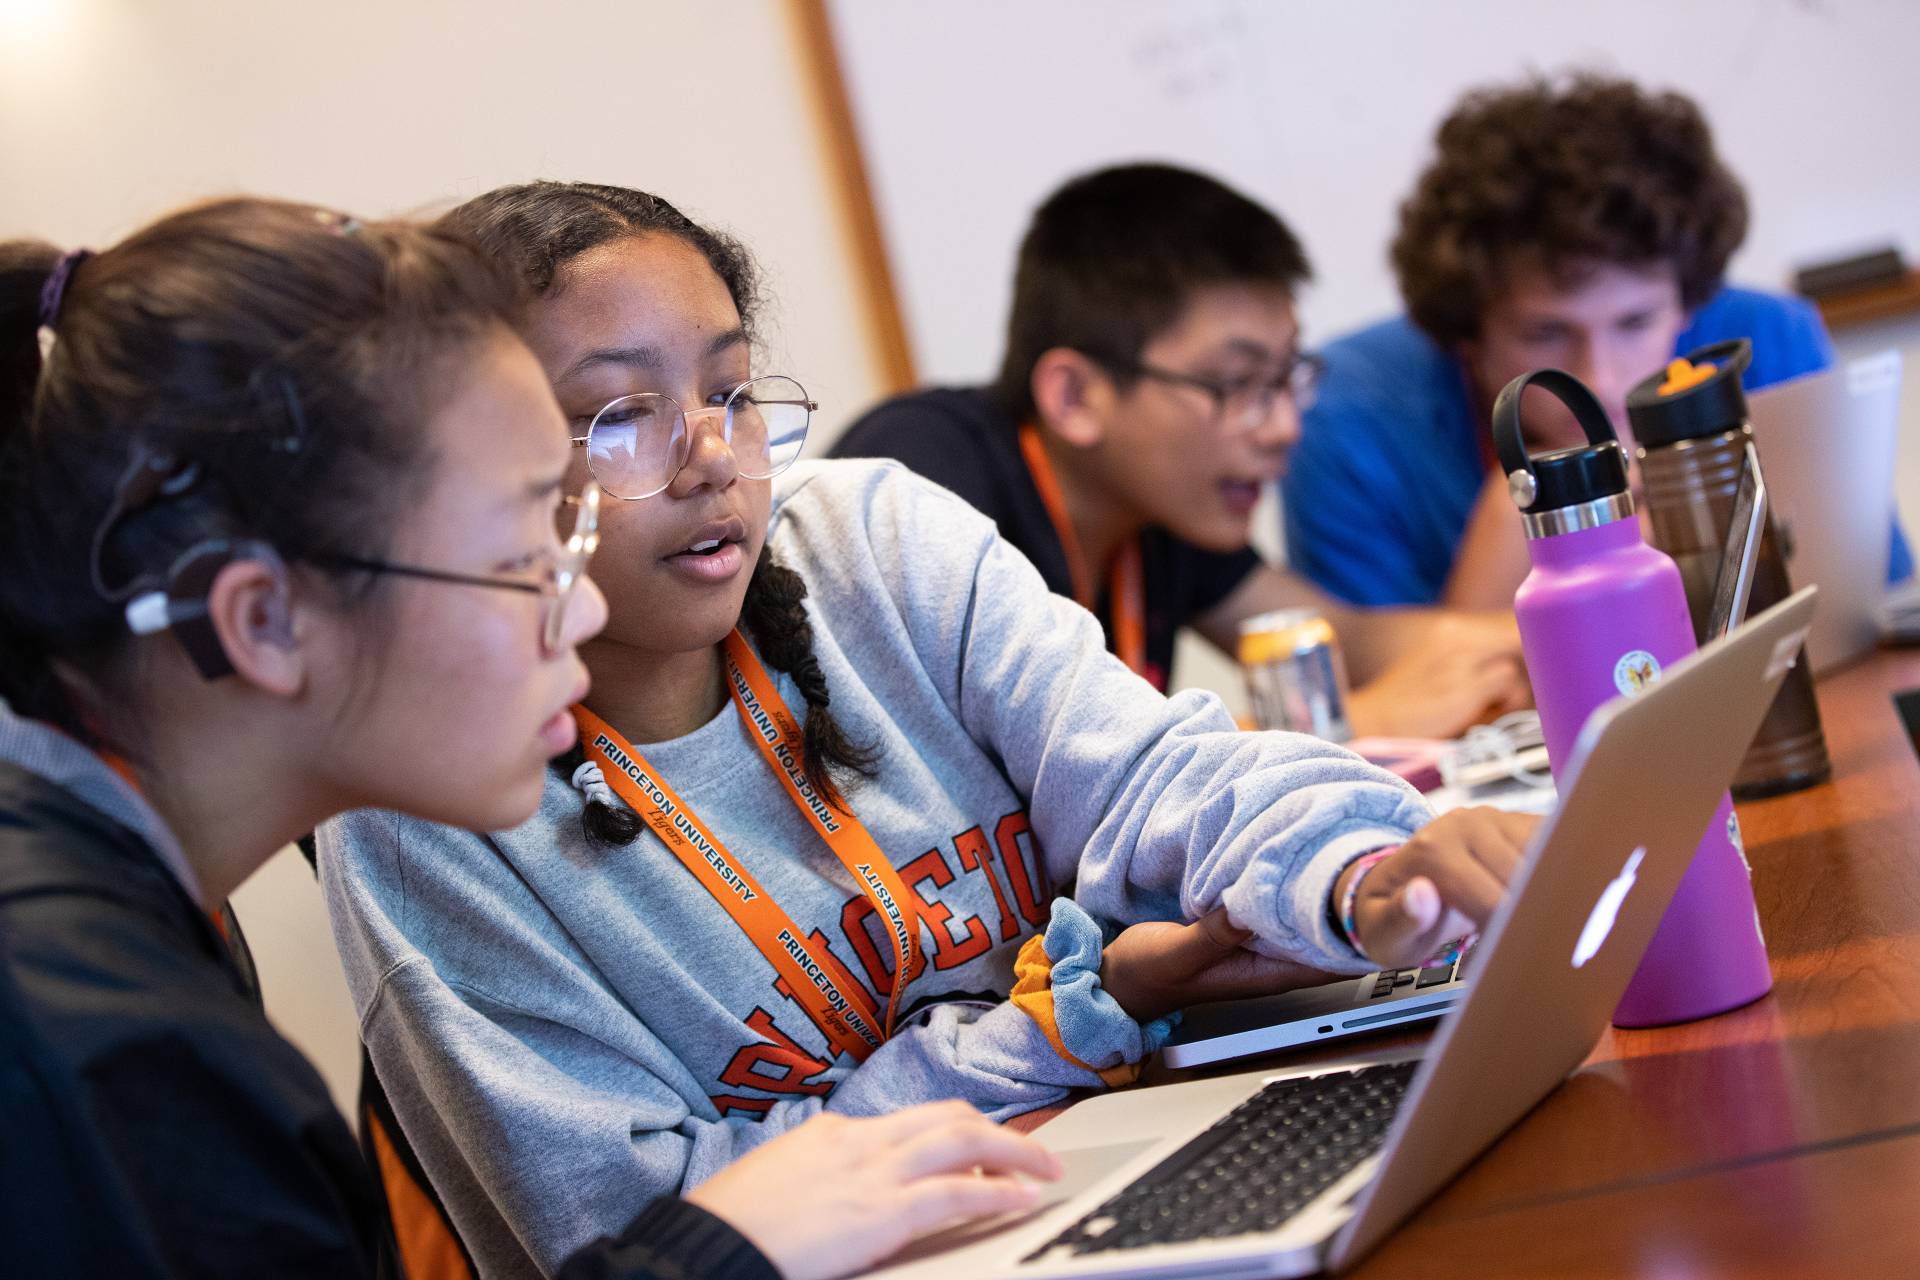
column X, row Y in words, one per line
column 1392, row 980
column 1254, row 1168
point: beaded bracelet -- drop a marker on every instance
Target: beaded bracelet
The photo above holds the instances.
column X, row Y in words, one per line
column 1447, row 955
column 1359, row 866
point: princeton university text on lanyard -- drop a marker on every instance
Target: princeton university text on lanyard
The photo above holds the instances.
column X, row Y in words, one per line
column 840, row 1015
column 1126, row 589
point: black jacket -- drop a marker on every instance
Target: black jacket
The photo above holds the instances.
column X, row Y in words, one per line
column 152, row 1123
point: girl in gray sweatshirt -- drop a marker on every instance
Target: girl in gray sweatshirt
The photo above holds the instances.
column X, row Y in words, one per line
column 837, row 723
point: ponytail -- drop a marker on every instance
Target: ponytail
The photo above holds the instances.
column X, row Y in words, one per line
column 26, row 267
column 27, row 680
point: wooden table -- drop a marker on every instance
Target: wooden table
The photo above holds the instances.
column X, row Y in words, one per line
column 1782, row 1139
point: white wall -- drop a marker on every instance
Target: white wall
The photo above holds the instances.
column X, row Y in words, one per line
column 285, row 922
column 1326, row 111
column 112, row 111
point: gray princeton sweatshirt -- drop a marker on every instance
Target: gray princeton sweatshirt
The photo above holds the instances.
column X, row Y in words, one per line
column 567, row 1031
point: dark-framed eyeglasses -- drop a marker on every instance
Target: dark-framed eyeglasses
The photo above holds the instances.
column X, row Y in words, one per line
column 558, row 578
column 637, row 444
column 1242, row 403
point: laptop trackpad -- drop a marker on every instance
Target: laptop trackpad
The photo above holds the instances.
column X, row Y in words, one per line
column 1085, row 1166
column 1081, row 1168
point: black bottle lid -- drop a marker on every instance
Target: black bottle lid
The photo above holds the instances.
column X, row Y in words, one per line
column 1696, row 396
column 1564, row 477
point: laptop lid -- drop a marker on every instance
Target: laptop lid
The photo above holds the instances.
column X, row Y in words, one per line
column 1827, row 442
column 1646, row 776
column 1352, row 1007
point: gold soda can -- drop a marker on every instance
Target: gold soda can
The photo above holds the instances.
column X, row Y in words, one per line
column 1295, row 675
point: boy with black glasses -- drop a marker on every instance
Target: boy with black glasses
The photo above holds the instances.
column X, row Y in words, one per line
column 1152, row 387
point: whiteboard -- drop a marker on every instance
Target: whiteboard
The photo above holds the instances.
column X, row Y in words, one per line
column 969, row 114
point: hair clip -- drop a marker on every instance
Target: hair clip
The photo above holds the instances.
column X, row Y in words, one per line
column 590, row 780
column 54, row 291
column 341, row 224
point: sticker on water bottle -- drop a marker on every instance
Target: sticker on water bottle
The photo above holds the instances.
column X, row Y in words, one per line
column 1635, row 671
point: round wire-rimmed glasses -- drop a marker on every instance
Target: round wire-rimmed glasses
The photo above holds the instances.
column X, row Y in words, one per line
column 637, row 444
column 558, row 577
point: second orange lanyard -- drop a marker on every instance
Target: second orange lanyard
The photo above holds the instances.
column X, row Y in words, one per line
column 812, row 981
column 1126, row 586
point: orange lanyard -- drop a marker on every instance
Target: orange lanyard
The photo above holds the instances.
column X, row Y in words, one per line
column 839, row 1014
column 1126, row 588
column 124, row 770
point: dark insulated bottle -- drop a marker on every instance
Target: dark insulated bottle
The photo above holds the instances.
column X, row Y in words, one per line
column 1690, row 423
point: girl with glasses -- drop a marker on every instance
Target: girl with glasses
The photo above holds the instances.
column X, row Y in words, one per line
column 841, row 742
column 279, row 506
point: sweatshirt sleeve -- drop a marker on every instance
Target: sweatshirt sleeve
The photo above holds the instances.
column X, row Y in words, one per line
column 545, row 1120
column 1153, row 807
column 541, row 1139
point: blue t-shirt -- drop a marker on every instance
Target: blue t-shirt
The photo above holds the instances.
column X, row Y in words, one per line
column 1389, row 465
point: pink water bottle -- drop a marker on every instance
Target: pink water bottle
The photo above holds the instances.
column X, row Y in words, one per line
column 1603, row 614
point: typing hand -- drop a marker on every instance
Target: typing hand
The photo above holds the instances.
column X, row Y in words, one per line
column 1465, row 669
column 1154, row 968
column 1438, row 887
column 838, row 1194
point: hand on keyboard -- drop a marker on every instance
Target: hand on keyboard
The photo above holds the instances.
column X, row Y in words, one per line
column 836, row 1194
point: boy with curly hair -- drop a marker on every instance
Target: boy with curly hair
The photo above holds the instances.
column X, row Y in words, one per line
column 1585, row 225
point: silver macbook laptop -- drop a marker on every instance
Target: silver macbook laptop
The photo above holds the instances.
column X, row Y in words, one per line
column 1287, row 1173
column 1395, row 998
column 1827, row 442
column 1337, row 1011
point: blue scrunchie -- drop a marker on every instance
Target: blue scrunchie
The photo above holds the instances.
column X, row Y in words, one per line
column 1092, row 1024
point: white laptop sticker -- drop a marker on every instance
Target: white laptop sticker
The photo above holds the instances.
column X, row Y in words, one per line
column 1635, row 671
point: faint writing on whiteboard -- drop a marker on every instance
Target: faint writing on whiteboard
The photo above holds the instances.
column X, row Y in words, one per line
column 1193, row 53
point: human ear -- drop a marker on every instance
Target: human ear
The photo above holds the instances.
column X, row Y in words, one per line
column 1073, row 396
column 250, row 607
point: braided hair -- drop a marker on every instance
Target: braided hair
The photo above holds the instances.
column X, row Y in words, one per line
column 536, row 228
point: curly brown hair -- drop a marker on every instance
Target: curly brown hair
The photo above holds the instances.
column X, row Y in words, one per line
column 1562, row 176
column 540, row 227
